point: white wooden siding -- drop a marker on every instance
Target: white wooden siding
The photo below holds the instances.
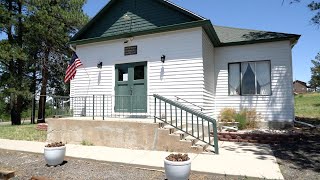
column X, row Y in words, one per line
column 277, row 107
column 208, row 68
column 181, row 75
column 194, row 70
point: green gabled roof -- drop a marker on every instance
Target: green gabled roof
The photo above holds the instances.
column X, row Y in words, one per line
column 155, row 16
column 237, row 36
column 144, row 15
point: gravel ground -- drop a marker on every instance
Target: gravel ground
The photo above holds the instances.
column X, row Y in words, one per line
column 300, row 160
column 27, row 165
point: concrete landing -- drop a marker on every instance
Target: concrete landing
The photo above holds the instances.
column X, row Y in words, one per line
column 235, row 159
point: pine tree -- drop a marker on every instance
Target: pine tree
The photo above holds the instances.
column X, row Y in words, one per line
column 51, row 24
column 315, row 73
column 33, row 54
column 14, row 84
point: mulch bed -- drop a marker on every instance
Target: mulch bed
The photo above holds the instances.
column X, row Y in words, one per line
column 42, row 127
column 290, row 136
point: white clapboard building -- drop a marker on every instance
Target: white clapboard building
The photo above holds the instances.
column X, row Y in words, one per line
column 133, row 49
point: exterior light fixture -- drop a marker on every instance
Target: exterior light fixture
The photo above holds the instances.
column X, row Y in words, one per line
column 126, row 17
column 99, row 65
column 163, row 58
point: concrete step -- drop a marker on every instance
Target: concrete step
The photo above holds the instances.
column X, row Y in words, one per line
column 209, row 149
column 168, row 127
column 193, row 138
column 183, row 131
column 203, row 144
column 196, row 144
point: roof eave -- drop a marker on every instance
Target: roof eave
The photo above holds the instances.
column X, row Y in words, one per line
column 295, row 40
column 93, row 20
column 208, row 27
column 182, row 10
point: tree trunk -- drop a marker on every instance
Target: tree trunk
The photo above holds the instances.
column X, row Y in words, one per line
column 43, row 92
column 15, row 115
column 33, row 90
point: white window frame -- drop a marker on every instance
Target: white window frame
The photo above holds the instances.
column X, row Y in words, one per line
column 241, row 76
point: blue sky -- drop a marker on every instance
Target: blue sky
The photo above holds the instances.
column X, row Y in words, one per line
column 268, row 15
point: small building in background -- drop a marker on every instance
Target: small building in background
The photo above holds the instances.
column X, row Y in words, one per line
column 300, row 87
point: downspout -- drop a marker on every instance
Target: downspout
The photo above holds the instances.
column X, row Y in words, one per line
column 306, row 124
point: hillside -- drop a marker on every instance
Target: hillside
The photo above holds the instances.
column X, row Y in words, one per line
column 308, row 105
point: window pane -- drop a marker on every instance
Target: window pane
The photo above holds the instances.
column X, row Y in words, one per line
column 234, row 79
column 138, row 72
column 248, row 78
column 263, row 77
column 123, row 73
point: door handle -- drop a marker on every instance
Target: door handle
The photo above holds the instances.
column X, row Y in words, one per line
column 131, row 90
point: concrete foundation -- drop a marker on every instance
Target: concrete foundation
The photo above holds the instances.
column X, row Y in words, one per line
column 131, row 134
column 275, row 124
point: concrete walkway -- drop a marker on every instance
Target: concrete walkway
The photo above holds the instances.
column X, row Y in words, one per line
column 235, row 159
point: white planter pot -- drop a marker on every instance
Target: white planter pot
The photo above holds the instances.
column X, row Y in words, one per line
column 177, row 170
column 54, row 155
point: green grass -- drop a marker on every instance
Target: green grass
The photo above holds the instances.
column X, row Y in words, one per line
column 86, row 143
column 308, row 105
column 23, row 132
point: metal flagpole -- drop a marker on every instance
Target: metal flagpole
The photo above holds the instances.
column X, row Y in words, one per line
column 85, row 71
column 88, row 88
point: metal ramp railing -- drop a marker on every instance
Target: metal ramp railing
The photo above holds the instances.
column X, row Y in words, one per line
column 187, row 120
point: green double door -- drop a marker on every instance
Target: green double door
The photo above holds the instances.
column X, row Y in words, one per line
column 131, row 88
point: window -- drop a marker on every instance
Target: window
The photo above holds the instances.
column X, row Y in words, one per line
column 123, row 73
column 250, row 78
column 138, row 72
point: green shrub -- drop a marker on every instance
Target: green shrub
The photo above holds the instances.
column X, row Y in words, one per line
column 227, row 115
column 242, row 119
column 252, row 118
column 86, row 143
column 247, row 118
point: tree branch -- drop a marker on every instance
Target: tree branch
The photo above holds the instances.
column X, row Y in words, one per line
column 2, row 62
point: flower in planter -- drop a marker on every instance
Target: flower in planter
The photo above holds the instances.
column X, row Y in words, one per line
column 178, row 157
column 54, row 153
column 55, row 144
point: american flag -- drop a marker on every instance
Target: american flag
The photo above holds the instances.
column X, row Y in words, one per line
column 72, row 68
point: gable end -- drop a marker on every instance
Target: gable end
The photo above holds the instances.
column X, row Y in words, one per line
column 128, row 16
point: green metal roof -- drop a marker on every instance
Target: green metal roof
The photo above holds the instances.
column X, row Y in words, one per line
column 234, row 36
column 155, row 16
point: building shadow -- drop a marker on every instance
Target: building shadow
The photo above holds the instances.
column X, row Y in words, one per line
column 259, row 35
column 302, row 155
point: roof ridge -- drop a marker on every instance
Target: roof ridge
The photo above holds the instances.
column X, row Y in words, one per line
column 186, row 10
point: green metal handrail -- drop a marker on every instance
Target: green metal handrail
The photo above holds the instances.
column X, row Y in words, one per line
column 195, row 113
